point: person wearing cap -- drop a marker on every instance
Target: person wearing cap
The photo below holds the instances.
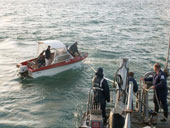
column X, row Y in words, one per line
column 101, row 91
column 73, row 49
column 161, row 91
column 48, row 56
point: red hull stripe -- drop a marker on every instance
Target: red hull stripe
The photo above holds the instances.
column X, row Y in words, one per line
column 71, row 61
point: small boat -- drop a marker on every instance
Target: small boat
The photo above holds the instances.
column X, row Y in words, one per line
column 61, row 60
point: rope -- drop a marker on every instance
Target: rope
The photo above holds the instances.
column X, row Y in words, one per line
column 148, row 106
column 157, row 99
column 147, row 89
column 133, row 93
column 155, row 96
column 104, row 77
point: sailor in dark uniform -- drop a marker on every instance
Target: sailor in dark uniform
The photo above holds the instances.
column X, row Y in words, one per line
column 132, row 79
column 135, row 85
column 101, row 91
column 73, row 49
column 161, row 91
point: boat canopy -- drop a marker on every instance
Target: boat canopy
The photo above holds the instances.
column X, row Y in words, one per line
column 53, row 44
column 58, row 50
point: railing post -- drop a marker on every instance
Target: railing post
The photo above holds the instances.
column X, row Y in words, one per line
column 129, row 106
column 88, row 103
column 138, row 103
column 146, row 114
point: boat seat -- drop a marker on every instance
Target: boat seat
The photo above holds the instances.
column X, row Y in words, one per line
column 33, row 64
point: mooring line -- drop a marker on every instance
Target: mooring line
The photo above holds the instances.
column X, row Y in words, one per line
column 133, row 93
column 104, row 76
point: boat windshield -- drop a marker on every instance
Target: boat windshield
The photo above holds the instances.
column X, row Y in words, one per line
column 61, row 55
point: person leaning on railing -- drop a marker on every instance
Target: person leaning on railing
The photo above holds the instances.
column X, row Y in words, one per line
column 74, row 50
column 160, row 89
column 135, row 85
column 131, row 78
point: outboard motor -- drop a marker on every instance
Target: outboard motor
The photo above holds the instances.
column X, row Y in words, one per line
column 23, row 69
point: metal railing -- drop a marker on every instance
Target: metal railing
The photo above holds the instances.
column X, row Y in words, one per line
column 129, row 106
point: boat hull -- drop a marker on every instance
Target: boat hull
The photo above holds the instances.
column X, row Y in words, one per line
column 54, row 71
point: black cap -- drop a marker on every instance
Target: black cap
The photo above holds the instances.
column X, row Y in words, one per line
column 99, row 72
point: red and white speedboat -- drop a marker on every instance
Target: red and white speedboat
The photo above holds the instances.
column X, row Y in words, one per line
column 61, row 60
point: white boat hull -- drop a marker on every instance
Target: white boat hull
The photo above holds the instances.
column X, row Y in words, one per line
column 54, row 71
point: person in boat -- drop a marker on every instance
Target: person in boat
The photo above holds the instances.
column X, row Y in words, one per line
column 74, row 50
column 132, row 79
column 41, row 60
column 160, row 89
column 101, row 91
column 48, row 56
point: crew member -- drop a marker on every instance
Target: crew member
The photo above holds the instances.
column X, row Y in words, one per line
column 161, row 91
column 73, row 49
column 131, row 78
column 48, row 56
column 135, row 85
column 101, row 91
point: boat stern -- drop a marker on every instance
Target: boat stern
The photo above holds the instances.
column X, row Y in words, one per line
column 22, row 70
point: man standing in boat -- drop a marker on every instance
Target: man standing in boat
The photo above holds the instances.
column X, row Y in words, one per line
column 101, row 91
column 74, row 50
column 48, row 56
column 160, row 89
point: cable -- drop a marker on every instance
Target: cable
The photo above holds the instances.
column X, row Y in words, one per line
column 104, row 77
column 133, row 93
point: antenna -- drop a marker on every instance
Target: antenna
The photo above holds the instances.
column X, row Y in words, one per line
column 167, row 58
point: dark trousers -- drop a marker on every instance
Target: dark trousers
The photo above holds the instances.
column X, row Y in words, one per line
column 163, row 103
column 102, row 104
column 103, row 107
column 73, row 53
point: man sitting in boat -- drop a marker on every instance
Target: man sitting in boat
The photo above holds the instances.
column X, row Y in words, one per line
column 41, row 60
column 48, row 56
column 101, row 92
column 74, row 50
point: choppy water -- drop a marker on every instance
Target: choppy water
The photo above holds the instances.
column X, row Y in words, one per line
column 106, row 29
